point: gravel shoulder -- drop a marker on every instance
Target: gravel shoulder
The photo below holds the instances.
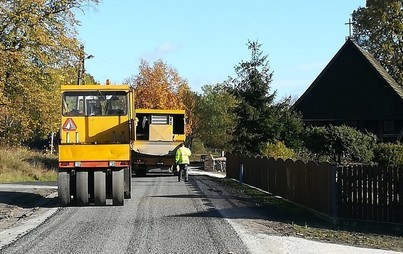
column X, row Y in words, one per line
column 23, row 207
column 270, row 223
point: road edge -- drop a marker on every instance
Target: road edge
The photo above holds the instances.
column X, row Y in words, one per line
column 12, row 234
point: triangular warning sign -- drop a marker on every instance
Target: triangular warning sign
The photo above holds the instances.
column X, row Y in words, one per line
column 69, row 125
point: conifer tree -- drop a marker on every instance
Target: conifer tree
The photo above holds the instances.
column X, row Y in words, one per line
column 259, row 120
column 252, row 88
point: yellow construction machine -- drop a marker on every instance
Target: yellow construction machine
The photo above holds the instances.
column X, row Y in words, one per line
column 94, row 151
column 104, row 139
column 158, row 134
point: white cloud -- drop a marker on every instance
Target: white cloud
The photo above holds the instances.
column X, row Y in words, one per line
column 161, row 51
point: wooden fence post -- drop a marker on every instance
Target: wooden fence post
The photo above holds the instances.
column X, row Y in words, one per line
column 241, row 174
column 400, row 219
column 333, row 192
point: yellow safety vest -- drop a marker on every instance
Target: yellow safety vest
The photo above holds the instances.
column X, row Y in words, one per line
column 182, row 155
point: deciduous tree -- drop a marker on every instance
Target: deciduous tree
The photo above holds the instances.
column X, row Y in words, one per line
column 38, row 45
column 189, row 98
column 158, row 86
column 215, row 109
column 378, row 28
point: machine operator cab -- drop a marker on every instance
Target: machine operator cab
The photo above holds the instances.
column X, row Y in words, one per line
column 99, row 114
column 95, row 103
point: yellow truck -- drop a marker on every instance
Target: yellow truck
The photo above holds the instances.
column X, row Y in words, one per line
column 158, row 133
column 97, row 128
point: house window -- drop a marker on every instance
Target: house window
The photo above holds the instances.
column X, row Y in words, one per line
column 389, row 126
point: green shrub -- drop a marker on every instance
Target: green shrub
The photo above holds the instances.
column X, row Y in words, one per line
column 198, row 146
column 316, row 140
column 277, row 150
column 306, row 155
column 388, row 154
column 341, row 144
column 351, row 145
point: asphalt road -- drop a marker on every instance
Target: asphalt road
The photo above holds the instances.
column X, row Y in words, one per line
column 163, row 216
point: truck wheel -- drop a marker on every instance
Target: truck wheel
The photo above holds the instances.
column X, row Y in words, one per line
column 118, row 187
column 128, row 183
column 82, row 187
column 63, row 182
column 141, row 170
column 99, row 187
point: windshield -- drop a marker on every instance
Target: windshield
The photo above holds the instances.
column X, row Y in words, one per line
column 96, row 103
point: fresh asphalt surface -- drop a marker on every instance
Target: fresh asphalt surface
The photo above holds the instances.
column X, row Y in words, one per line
column 163, row 216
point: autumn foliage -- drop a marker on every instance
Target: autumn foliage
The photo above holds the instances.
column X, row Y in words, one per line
column 38, row 48
column 160, row 87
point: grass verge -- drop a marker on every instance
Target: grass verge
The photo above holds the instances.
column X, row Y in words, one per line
column 23, row 165
column 307, row 224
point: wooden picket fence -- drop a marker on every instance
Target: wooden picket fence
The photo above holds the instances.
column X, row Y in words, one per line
column 370, row 193
column 354, row 192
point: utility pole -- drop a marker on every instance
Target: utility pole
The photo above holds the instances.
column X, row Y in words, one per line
column 81, row 68
column 81, row 56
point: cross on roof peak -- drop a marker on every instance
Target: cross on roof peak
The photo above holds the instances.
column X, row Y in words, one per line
column 350, row 26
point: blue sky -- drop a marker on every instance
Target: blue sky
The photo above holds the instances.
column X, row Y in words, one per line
column 204, row 40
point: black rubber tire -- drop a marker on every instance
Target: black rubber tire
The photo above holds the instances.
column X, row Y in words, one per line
column 82, row 187
column 128, row 183
column 118, row 187
column 100, row 187
column 63, row 183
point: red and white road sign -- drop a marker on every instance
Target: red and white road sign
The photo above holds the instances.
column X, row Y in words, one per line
column 69, row 125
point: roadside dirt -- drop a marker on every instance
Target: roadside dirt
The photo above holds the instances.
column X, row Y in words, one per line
column 19, row 203
column 278, row 217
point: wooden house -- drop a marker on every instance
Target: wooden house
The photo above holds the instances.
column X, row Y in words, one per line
column 355, row 90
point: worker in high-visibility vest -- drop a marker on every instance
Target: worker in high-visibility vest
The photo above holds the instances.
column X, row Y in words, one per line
column 182, row 159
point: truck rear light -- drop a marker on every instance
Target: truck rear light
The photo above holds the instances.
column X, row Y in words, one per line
column 124, row 163
column 77, row 164
column 111, row 164
column 64, row 164
column 139, row 162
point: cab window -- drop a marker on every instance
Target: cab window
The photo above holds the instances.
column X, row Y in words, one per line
column 94, row 103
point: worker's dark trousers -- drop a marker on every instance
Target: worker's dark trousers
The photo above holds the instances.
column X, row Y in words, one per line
column 183, row 167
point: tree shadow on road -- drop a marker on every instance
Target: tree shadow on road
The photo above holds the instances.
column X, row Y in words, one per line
column 28, row 199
